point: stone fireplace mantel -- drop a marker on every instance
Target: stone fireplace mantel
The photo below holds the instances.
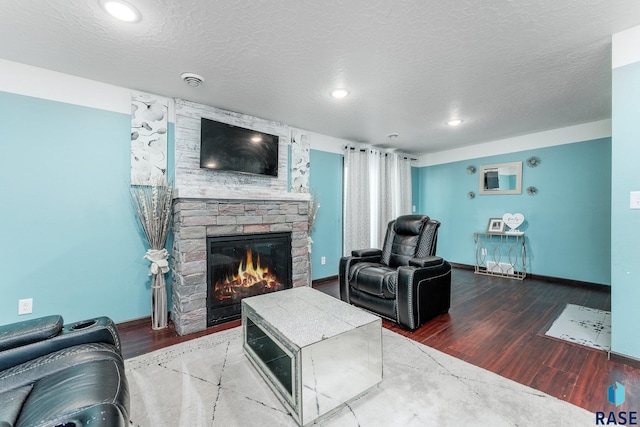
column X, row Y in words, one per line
column 237, row 194
column 201, row 213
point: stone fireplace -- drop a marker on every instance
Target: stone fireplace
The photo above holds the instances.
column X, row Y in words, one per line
column 199, row 219
column 215, row 204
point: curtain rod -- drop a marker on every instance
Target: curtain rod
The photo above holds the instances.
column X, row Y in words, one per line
column 364, row 150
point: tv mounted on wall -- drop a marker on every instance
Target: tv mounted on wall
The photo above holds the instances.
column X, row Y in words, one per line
column 226, row 147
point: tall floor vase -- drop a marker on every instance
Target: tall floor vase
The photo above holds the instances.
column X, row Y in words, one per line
column 159, row 308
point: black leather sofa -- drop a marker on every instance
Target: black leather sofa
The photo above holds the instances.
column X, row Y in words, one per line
column 59, row 375
column 404, row 281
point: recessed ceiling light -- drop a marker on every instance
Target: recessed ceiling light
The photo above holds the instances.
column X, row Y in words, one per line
column 339, row 93
column 121, row 10
column 454, row 122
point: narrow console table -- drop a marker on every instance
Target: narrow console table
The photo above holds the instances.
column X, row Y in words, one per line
column 314, row 351
column 501, row 254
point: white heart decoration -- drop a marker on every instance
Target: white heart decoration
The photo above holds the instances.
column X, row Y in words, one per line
column 513, row 221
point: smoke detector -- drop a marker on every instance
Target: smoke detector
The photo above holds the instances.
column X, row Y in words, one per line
column 193, row 80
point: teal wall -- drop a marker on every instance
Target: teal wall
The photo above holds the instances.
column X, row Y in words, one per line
column 70, row 239
column 625, row 224
column 325, row 181
column 567, row 223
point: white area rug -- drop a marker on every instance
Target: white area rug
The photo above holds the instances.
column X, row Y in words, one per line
column 583, row 325
column 210, row 382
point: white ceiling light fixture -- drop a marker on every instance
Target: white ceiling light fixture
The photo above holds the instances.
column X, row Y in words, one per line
column 339, row 93
column 192, row 79
column 121, row 10
column 454, row 122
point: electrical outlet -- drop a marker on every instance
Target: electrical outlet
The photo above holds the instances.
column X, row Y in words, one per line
column 634, row 200
column 484, row 251
column 323, row 260
column 25, row 306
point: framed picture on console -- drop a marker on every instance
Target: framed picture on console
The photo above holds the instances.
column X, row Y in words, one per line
column 495, row 225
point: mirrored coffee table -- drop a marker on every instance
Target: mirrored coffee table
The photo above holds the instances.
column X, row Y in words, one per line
column 314, row 351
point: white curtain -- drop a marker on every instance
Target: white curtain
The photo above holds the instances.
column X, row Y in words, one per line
column 386, row 180
column 357, row 212
column 394, row 191
column 405, row 191
column 385, row 206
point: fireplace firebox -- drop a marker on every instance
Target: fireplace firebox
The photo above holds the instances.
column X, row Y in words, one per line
column 242, row 266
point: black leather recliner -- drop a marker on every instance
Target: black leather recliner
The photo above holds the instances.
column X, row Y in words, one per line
column 59, row 375
column 404, row 281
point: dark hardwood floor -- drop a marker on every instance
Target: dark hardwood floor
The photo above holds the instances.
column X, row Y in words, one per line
column 497, row 324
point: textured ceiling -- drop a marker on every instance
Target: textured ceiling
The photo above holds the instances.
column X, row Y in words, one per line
column 507, row 67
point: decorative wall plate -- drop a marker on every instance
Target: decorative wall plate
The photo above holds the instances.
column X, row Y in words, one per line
column 533, row 161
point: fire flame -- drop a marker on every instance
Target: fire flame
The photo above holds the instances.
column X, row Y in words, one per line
column 248, row 281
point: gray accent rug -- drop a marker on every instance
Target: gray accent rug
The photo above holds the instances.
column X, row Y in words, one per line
column 583, row 325
column 210, row 382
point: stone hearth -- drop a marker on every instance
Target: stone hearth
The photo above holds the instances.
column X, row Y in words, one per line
column 195, row 219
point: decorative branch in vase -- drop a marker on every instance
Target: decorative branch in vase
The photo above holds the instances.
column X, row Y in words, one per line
column 311, row 218
column 153, row 208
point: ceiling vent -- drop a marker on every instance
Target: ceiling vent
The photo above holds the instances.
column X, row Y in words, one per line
column 193, row 80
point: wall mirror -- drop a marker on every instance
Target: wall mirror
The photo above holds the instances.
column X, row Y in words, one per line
column 503, row 178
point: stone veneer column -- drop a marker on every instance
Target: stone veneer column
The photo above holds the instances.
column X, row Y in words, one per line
column 196, row 219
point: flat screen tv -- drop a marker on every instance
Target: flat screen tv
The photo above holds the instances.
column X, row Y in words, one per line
column 226, row 147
